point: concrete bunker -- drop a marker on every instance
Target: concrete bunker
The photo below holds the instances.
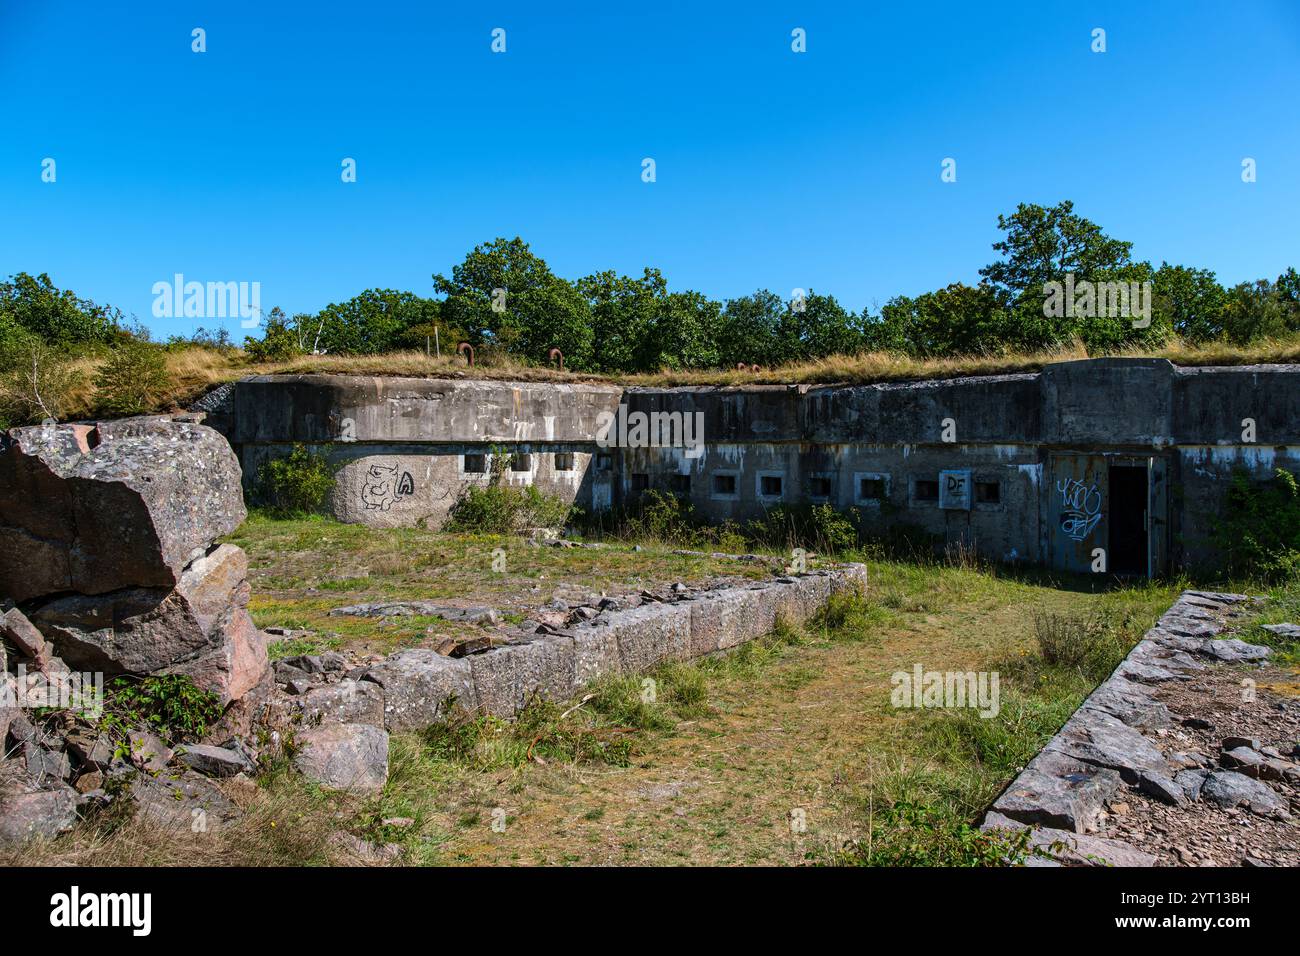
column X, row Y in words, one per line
column 1111, row 465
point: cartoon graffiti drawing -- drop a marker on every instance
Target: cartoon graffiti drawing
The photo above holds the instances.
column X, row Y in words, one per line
column 1080, row 507
column 383, row 487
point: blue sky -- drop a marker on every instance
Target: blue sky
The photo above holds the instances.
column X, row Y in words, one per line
column 818, row 170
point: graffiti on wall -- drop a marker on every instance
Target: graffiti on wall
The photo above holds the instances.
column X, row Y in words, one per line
column 384, row 486
column 1080, row 507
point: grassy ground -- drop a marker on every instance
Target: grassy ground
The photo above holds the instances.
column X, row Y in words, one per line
column 301, row 569
column 798, row 727
column 785, row 751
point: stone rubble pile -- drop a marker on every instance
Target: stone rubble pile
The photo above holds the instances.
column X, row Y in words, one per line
column 1109, row 746
column 109, row 566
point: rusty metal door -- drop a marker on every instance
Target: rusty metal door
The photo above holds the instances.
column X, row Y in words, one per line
column 1076, row 513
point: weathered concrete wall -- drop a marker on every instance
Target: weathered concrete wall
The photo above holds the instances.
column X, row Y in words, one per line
column 401, row 444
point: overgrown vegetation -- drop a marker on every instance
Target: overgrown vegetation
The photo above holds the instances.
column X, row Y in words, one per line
column 168, row 704
column 1258, row 530
column 499, row 507
column 296, row 484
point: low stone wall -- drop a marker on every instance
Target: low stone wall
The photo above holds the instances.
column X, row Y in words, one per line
column 1113, row 746
column 411, row 689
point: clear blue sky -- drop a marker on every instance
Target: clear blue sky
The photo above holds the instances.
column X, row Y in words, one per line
column 775, row 169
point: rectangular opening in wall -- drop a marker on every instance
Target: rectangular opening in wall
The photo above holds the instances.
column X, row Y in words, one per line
column 925, row 489
column 521, row 461
column 988, row 492
column 724, row 484
column 770, row 486
column 1127, row 533
column 871, row 489
column 640, row 482
column 604, row 462
column 820, row 487
column 680, row 484
column 475, row 464
column 563, row 461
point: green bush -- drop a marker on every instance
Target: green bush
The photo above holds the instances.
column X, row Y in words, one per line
column 133, row 381
column 171, row 705
column 498, row 508
column 1259, row 529
column 296, row 484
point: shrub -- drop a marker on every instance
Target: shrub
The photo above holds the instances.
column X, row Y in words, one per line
column 661, row 517
column 296, row 484
column 1092, row 645
column 497, row 508
column 1259, row 531
column 171, row 705
column 133, row 381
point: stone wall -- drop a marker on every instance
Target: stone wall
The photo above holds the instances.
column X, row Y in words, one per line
column 1130, row 742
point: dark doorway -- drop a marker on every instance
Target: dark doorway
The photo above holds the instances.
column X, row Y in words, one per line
column 1127, row 553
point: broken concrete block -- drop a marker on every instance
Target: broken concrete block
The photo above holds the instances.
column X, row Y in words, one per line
column 651, row 634
column 505, row 677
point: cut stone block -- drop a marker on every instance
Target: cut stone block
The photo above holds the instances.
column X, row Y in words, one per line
column 418, row 684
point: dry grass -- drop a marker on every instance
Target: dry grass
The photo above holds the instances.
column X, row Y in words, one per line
column 284, row 822
column 196, row 370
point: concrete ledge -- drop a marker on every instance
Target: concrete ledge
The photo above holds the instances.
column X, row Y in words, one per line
column 417, row 684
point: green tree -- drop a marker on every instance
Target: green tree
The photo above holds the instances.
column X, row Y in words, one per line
column 1257, row 310
column 57, row 316
column 1190, row 301
column 504, row 295
column 750, row 330
column 817, row 327
column 956, row 320
column 367, row 324
column 1045, row 245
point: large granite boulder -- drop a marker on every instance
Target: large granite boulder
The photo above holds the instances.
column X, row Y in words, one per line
column 94, row 509
column 200, row 628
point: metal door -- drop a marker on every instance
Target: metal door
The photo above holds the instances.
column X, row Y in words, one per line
column 1076, row 513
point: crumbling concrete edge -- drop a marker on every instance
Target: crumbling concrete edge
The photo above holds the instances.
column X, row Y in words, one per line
column 1061, row 792
column 419, row 685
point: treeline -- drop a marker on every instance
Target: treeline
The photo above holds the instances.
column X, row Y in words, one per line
column 505, row 300
column 503, row 297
